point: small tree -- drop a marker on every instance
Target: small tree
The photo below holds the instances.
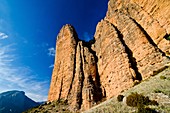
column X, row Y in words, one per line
column 136, row 100
column 139, row 101
column 120, row 98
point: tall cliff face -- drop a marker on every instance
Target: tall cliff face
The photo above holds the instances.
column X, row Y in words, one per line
column 75, row 76
column 151, row 16
column 64, row 67
column 129, row 45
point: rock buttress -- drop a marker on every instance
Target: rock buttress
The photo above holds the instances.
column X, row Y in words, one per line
column 75, row 75
column 147, row 53
column 86, row 91
column 114, row 66
column 64, row 66
column 152, row 15
column 129, row 45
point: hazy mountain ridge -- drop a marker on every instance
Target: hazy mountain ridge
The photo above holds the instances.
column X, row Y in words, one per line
column 15, row 102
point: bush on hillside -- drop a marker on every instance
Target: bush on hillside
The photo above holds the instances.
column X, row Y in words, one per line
column 157, row 91
column 136, row 100
column 140, row 101
column 120, row 98
column 162, row 77
column 154, row 102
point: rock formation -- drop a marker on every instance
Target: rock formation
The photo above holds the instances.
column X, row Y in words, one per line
column 129, row 45
column 75, row 76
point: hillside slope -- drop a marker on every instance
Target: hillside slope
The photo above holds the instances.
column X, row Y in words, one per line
column 156, row 88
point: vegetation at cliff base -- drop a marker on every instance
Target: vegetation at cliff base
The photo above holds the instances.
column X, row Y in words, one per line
column 168, row 37
column 162, row 77
column 141, row 102
column 120, row 98
column 59, row 106
column 136, row 100
column 150, row 96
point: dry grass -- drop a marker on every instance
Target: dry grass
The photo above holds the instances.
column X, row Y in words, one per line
column 51, row 107
column 155, row 88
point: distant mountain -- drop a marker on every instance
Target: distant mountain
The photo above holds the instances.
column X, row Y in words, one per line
column 15, row 102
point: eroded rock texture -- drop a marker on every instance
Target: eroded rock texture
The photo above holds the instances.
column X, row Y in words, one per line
column 64, row 67
column 151, row 15
column 129, row 45
column 75, row 76
column 114, row 64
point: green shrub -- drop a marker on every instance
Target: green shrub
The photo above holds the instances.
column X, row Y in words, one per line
column 136, row 83
column 168, row 38
column 120, row 98
column 162, row 77
column 168, row 78
column 137, row 100
column 62, row 101
column 153, row 102
column 157, row 91
column 141, row 102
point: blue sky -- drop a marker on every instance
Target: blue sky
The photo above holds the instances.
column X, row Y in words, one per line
column 28, row 30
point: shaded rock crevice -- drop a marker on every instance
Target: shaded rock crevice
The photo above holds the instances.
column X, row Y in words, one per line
column 167, row 37
column 74, row 68
column 61, row 85
column 115, row 71
column 93, row 92
column 152, row 15
column 80, row 82
column 148, row 37
column 143, row 49
column 98, row 95
column 132, row 60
